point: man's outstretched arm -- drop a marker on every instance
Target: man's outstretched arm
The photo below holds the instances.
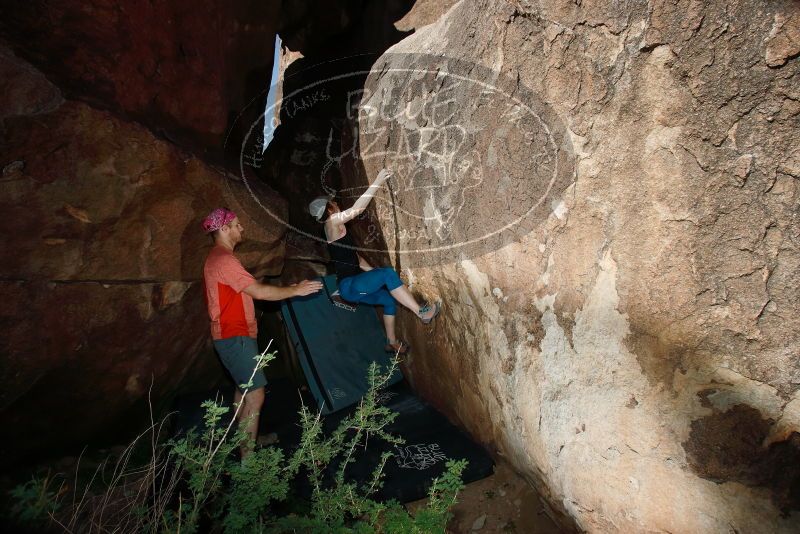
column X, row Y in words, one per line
column 261, row 291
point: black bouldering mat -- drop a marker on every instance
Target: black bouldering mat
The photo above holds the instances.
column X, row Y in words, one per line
column 430, row 441
column 335, row 345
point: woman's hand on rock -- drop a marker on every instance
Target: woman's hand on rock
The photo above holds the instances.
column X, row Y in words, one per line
column 384, row 175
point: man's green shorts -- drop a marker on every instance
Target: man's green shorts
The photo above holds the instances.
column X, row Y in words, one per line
column 238, row 355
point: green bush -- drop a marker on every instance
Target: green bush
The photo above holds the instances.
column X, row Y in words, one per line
column 35, row 501
column 196, row 483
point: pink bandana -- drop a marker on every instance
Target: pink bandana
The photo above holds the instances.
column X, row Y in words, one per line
column 217, row 219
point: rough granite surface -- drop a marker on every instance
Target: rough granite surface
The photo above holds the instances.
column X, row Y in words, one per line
column 636, row 353
column 102, row 271
column 183, row 68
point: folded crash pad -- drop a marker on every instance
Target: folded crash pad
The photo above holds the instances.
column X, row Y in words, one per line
column 335, row 343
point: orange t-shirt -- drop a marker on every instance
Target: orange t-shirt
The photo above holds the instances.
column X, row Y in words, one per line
column 231, row 311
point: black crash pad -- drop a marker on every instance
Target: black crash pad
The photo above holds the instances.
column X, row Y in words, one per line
column 335, row 345
column 430, row 439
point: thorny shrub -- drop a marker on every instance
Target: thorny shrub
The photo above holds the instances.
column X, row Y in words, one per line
column 196, row 483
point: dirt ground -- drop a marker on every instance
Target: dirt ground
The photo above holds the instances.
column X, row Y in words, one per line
column 501, row 503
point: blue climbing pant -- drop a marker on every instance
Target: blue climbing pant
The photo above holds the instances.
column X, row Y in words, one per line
column 372, row 287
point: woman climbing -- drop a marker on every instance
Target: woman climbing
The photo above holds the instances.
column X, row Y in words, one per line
column 358, row 280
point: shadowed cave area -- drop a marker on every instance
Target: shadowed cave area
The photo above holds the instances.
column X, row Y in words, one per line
column 603, row 196
column 728, row 446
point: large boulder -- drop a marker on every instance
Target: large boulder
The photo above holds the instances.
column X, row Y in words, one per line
column 614, row 234
column 102, row 272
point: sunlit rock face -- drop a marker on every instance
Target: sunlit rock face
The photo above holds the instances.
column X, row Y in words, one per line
column 635, row 348
column 102, row 266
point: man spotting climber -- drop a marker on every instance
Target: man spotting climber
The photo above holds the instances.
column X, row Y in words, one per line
column 230, row 291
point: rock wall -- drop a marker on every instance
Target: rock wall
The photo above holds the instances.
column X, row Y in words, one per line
column 608, row 208
column 183, row 68
column 634, row 349
column 122, row 123
column 101, row 276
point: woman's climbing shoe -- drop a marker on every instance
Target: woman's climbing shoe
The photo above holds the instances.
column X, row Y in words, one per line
column 398, row 347
column 427, row 312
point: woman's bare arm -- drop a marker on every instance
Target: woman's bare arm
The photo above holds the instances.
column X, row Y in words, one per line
column 363, row 201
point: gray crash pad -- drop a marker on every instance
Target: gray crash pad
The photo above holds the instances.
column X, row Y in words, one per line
column 335, row 343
